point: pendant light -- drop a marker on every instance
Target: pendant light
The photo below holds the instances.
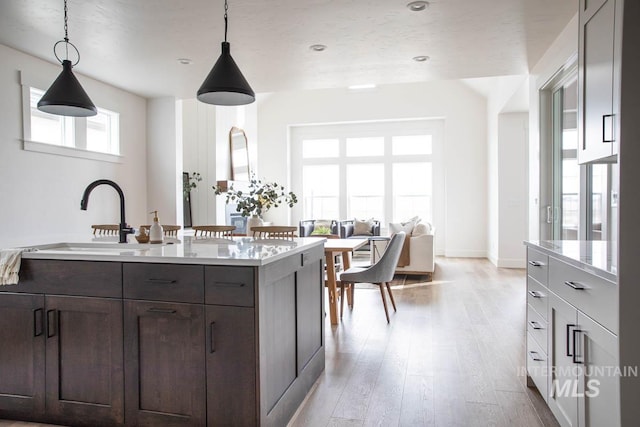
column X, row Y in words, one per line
column 225, row 84
column 66, row 97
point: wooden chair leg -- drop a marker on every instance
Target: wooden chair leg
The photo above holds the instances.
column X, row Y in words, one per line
column 384, row 301
column 341, row 298
column 393, row 301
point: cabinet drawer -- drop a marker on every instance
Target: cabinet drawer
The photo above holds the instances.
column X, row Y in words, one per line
column 164, row 282
column 537, row 265
column 229, row 286
column 76, row 278
column 537, row 366
column 593, row 295
column 537, row 297
column 537, row 328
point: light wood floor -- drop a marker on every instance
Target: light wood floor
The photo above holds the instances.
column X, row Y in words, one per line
column 453, row 355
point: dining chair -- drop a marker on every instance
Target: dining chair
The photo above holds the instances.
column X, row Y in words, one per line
column 214, row 230
column 380, row 273
column 105, row 229
column 274, row 232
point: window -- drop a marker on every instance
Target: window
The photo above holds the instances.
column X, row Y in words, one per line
column 49, row 128
column 412, row 191
column 320, row 191
column 96, row 137
column 381, row 170
column 102, row 132
column 365, row 190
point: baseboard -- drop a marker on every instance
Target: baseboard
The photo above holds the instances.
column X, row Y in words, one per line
column 466, row 254
column 510, row 263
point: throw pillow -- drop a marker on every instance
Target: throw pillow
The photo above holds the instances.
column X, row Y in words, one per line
column 363, row 228
column 421, row 229
column 406, row 226
column 396, row 227
column 321, row 226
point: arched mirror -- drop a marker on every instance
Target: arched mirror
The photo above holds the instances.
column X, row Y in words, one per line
column 239, row 154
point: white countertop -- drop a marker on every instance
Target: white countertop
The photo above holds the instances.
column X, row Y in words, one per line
column 240, row 251
column 596, row 256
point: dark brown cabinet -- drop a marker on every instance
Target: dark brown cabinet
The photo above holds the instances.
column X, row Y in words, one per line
column 164, row 364
column 61, row 359
column 84, row 381
column 21, row 354
column 158, row 344
column 231, row 366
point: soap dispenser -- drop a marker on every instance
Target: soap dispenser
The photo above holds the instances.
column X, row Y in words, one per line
column 155, row 232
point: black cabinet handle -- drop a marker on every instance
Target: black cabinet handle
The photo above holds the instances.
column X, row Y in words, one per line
column 212, row 337
column 575, row 285
column 575, row 351
column 535, row 263
column 52, row 323
column 535, row 294
column 607, row 131
column 569, row 326
column 535, row 325
column 228, row 285
column 161, row 310
column 161, row 281
column 536, row 356
column 38, row 322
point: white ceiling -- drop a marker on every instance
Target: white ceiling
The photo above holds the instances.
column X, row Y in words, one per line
column 135, row 44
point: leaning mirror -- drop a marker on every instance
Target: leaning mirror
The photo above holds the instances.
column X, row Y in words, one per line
column 239, row 154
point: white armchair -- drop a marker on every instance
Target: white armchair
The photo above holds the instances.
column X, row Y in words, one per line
column 421, row 251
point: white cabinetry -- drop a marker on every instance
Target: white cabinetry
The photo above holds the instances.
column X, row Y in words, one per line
column 572, row 353
column 598, row 93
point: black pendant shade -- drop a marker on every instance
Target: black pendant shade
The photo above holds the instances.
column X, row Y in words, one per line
column 66, row 97
column 225, row 84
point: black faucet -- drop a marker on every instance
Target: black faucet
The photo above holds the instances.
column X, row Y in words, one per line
column 124, row 228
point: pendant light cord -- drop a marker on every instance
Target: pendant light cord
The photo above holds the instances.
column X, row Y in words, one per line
column 226, row 8
column 66, row 31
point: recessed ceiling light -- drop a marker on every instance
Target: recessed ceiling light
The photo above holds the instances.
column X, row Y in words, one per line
column 362, row 87
column 317, row 47
column 421, row 58
column 417, row 6
column 185, row 61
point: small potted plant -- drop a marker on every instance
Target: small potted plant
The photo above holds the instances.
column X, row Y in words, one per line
column 258, row 199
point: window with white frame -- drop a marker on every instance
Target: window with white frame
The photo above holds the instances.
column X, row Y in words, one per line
column 381, row 170
column 96, row 137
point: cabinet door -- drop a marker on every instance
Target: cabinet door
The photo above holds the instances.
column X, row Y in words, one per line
column 563, row 386
column 84, row 382
column 596, row 127
column 164, row 364
column 231, row 366
column 21, row 354
column 599, row 386
column 309, row 312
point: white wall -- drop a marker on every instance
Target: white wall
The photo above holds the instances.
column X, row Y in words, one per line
column 41, row 193
column 463, row 111
column 164, row 160
column 507, row 165
column 205, row 135
column 555, row 58
column 512, row 184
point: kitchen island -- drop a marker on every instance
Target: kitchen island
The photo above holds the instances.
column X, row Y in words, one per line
column 201, row 332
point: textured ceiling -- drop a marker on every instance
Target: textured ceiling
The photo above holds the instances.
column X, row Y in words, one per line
column 135, row 44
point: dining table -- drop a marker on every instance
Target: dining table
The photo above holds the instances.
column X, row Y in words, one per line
column 333, row 247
